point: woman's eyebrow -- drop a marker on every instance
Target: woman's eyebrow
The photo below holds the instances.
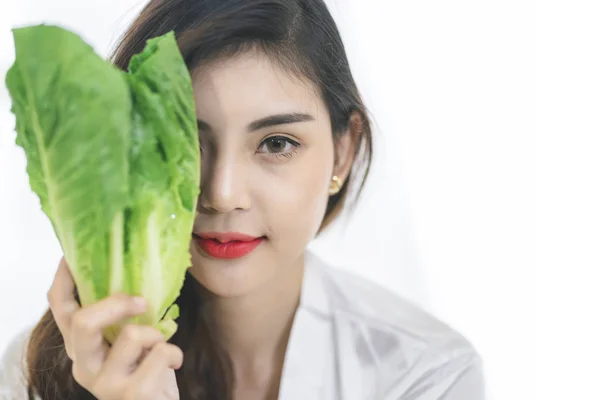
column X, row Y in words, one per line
column 271, row 120
column 279, row 119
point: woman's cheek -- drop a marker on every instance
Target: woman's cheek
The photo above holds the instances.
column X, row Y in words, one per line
column 301, row 206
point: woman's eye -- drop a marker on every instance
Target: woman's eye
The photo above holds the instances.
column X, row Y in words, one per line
column 278, row 146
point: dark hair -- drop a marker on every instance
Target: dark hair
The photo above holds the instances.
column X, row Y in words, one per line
column 301, row 36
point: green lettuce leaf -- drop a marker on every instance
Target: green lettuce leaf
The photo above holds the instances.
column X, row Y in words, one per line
column 114, row 158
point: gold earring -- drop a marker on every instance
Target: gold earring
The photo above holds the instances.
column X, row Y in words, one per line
column 335, row 186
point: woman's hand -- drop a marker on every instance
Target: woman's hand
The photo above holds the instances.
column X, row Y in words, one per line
column 140, row 365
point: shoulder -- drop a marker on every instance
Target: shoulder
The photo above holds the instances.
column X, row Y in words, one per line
column 400, row 349
column 13, row 381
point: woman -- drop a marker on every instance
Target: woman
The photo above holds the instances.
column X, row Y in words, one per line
column 285, row 139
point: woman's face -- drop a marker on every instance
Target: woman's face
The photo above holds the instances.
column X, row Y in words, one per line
column 267, row 163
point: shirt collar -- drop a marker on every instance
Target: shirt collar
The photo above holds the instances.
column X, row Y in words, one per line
column 310, row 348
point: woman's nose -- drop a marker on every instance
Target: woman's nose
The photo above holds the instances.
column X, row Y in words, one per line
column 223, row 187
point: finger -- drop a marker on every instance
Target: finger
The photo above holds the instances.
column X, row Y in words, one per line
column 155, row 375
column 163, row 356
column 91, row 320
column 129, row 347
column 61, row 298
column 87, row 340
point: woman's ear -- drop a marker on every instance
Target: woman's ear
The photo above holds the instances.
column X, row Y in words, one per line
column 345, row 147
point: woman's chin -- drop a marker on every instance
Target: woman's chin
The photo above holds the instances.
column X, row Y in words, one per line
column 229, row 278
column 225, row 284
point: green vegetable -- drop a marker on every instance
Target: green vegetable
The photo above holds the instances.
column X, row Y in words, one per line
column 114, row 158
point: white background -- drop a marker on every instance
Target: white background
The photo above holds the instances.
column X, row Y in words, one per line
column 486, row 128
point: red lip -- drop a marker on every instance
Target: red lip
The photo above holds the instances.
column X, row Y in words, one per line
column 228, row 245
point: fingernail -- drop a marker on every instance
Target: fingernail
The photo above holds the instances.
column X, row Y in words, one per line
column 140, row 302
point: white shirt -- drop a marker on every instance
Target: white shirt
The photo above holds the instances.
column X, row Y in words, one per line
column 351, row 340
